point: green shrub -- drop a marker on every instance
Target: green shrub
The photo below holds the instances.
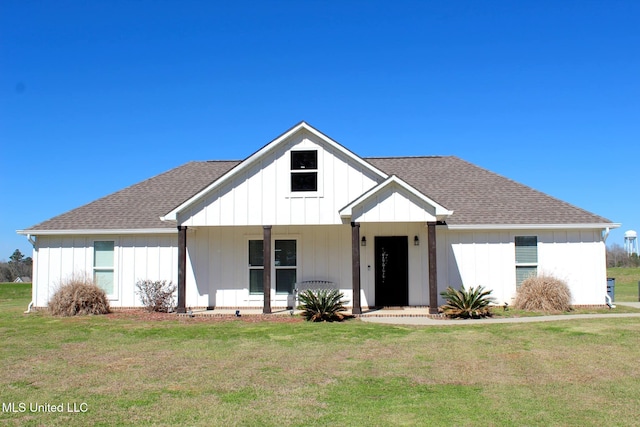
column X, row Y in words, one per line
column 543, row 293
column 78, row 295
column 322, row 305
column 156, row 295
column 472, row 303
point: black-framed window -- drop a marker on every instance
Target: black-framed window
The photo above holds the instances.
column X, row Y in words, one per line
column 304, row 170
column 285, row 257
column 307, row 159
column 256, row 267
column 285, row 262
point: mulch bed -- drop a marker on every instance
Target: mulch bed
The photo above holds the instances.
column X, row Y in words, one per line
column 144, row 315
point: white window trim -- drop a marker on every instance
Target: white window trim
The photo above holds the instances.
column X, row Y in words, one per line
column 255, row 296
column 287, row 267
column 272, row 268
column 320, row 176
column 525, row 264
column 116, row 287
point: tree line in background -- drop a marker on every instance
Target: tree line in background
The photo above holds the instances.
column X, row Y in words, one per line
column 617, row 257
column 17, row 266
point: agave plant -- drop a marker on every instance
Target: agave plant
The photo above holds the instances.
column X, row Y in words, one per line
column 472, row 303
column 322, row 305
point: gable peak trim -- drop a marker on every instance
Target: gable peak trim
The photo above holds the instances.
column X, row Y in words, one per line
column 441, row 211
column 256, row 156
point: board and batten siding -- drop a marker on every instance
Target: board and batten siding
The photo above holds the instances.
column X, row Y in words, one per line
column 218, row 271
column 136, row 257
column 393, row 204
column 218, row 264
column 218, row 274
column 260, row 195
column 487, row 258
column 579, row 258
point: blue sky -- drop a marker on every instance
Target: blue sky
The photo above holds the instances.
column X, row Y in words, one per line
column 99, row 95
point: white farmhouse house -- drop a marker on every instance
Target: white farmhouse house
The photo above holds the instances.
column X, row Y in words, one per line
column 393, row 231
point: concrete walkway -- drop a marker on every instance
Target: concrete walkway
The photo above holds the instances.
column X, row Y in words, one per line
column 628, row 304
column 427, row 321
column 420, row 316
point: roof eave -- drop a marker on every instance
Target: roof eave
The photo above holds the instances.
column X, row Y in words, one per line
column 98, row 231
column 572, row 226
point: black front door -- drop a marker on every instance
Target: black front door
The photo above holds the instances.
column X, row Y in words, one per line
column 392, row 271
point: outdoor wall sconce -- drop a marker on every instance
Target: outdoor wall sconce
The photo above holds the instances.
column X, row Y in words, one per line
column 363, row 242
column 416, row 241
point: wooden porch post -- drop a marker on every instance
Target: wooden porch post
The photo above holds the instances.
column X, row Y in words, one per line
column 433, row 269
column 355, row 267
column 266, row 273
column 182, row 268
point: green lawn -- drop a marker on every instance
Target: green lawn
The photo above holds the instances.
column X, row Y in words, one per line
column 626, row 282
column 124, row 370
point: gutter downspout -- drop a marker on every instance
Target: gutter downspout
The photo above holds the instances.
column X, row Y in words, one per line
column 609, row 302
column 29, row 308
column 33, row 244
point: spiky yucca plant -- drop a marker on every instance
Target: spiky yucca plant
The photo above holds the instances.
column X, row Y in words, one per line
column 322, row 305
column 472, row 303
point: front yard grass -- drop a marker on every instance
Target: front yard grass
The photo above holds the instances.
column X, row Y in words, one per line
column 627, row 279
column 131, row 371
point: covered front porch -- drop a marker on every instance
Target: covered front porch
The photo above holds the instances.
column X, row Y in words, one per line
column 256, row 268
column 379, row 249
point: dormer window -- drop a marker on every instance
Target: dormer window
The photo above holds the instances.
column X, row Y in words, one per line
column 304, row 170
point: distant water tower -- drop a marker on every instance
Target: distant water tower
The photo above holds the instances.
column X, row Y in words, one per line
column 631, row 242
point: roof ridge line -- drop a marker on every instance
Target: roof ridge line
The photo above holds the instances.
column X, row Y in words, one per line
column 434, row 156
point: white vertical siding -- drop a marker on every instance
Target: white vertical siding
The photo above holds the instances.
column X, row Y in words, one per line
column 136, row 257
column 58, row 258
column 218, row 275
column 218, row 272
column 143, row 257
column 393, row 204
column 217, row 266
column 577, row 257
column 488, row 259
column 260, row 195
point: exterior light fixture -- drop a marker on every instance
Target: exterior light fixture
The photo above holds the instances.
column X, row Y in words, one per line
column 363, row 242
column 416, row 241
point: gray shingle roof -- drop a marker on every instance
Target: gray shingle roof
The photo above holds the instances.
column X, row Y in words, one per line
column 141, row 205
column 476, row 195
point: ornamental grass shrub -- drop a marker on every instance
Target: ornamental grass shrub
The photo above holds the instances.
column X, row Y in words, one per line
column 472, row 303
column 544, row 293
column 79, row 295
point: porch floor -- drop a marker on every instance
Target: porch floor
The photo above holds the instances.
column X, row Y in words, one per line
column 366, row 312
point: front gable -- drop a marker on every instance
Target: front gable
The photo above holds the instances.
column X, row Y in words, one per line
column 394, row 201
column 302, row 177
